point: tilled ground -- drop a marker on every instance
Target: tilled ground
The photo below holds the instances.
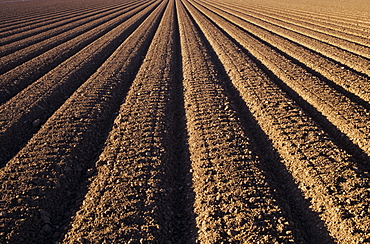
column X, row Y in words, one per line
column 183, row 121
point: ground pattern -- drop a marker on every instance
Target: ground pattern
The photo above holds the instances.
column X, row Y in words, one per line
column 183, row 121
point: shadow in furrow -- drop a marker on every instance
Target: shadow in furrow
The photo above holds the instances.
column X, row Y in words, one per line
column 63, row 201
column 185, row 230
column 16, row 36
column 340, row 139
column 332, row 84
column 14, row 83
column 14, row 138
column 353, row 97
column 307, row 224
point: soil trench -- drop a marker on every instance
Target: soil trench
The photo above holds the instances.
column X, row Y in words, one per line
column 184, row 121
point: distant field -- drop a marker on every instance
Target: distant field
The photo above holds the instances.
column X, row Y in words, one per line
column 184, row 121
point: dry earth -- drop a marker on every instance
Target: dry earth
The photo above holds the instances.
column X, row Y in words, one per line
column 184, row 121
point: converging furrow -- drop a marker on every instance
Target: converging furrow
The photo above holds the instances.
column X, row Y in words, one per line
column 184, row 121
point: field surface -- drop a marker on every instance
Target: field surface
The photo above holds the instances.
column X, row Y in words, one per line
column 184, row 121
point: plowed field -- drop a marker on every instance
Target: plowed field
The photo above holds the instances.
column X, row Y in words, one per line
column 184, row 121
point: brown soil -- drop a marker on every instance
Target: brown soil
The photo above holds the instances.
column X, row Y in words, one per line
column 184, row 121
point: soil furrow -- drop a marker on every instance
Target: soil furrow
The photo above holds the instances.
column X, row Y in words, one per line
column 308, row 29
column 23, row 75
column 46, row 18
column 184, row 121
column 33, row 35
column 52, row 175
column 33, row 27
column 11, row 60
column 347, row 22
column 185, row 230
column 14, row 23
column 307, row 151
column 349, row 117
column 22, row 116
column 311, row 23
column 343, row 77
column 135, row 183
column 347, row 58
column 336, row 41
column 313, row 17
column 15, row 16
column 230, row 187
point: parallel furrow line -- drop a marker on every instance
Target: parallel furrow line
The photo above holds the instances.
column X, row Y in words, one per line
column 311, row 23
column 306, row 150
column 347, row 79
column 16, row 58
column 23, row 75
column 347, row 58
column 349, row 117
column 52, row 175
column 24, row 49
column 348, row 21
column 38, row 101
column 33, row 34
column 50, row 20
column 37, row 16
column 13, row 23
column 134, row 183
column 231, row 189
column 334, row 40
